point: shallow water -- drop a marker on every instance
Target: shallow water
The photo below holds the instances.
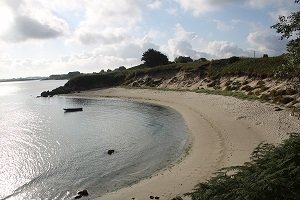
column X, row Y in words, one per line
column 48, row 154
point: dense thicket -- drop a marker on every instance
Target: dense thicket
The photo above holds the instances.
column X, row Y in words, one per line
column 272, row 174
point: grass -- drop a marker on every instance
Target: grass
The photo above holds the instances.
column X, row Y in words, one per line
column 238, row 95
column 273, row 173
column 234, row 66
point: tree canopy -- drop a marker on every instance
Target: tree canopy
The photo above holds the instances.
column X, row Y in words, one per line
column 183, row 59
column 289, row 28
column 154, row 58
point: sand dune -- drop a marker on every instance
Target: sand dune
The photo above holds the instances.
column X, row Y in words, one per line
column 223, row 132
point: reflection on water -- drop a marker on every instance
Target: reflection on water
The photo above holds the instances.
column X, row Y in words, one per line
column 47, row 154
column 8, row 89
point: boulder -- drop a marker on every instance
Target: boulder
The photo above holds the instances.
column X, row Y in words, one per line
column 111, row 151
column 83, row 193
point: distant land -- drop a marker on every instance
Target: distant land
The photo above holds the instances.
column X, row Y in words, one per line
column 51, row 77
column 22, row 79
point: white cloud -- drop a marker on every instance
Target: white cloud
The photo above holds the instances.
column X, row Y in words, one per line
column 227, row 26
column 280, row 12
column 85, row 62
column 155, row 5
column 199, row 7
column 30, row 20
column 108, row 21
column 223, row 49
column 181, row 44
column 266, row 41
column 263, row 3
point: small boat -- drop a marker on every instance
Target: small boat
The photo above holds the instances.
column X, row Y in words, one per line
column 72, row 109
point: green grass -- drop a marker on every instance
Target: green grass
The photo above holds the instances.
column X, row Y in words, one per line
column 273, row 173
column 254, row 67
column 238, row 95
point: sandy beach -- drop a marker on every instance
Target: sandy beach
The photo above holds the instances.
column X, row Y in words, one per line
column 223, row 132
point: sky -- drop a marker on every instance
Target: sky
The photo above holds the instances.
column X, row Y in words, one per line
column 42, row 37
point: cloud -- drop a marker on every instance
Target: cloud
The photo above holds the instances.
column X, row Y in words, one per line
column 108, row 56
column 155, row 5
column 85, row 62
column 31, row 21
column 199, row 7
column 280, row 12
column 180, row 44
column 227, row 26
column 223, row 49
column 25, row 28
column 263, row 3
column 108, row 21
column 266, row 41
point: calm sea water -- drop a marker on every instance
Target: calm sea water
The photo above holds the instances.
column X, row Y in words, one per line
column 48, row 154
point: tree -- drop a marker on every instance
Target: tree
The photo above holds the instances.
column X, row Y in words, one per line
column 289, row 27
column 154, row 58
column 183, row 59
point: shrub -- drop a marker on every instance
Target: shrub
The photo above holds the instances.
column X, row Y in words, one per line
column 265, row 56
column 272, row 173
column 154, row 58
column 183, row 59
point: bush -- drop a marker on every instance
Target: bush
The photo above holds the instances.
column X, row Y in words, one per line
column 182, row 59
column 154, row 58
column 272, row 173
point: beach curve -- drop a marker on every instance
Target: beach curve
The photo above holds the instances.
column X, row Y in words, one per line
column 223, row 131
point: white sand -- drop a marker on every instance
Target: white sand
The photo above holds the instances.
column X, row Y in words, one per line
column 223, row 132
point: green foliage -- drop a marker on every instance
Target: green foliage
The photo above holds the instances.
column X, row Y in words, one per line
column 183, row 59
column 253, row 67
column 289, row 26
column 273, row 173
column 96, row 81
column 154, row 58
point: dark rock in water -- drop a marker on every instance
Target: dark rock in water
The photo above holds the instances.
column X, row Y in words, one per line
column 83, row 193
column 111, row 151
column 47, row 94
column 78, row 197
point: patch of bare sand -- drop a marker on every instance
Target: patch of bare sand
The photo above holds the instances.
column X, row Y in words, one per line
column 223, row 132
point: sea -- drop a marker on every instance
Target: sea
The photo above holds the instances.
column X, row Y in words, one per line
column 46, row 153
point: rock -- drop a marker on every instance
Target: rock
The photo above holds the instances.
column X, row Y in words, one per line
column 156, row 197
column 78, row 197
column 83, row 193
column 111, row 151
column 177, row 198
column 278, row 109
column 45, row 94
column 151, row 197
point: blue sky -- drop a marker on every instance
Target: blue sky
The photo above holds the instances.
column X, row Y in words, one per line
column 41, row 37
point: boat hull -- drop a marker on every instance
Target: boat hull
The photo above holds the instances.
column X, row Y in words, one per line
column 72, row 109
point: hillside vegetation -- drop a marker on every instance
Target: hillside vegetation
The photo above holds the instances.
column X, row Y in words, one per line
column 268, row 79
column 273, row 173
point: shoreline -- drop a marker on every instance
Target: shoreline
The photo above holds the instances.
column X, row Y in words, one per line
column 223, row 131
